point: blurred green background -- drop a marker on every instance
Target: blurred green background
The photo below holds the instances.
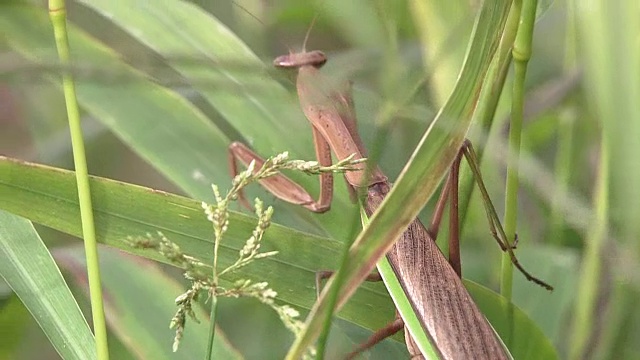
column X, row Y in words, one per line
column 579, row 204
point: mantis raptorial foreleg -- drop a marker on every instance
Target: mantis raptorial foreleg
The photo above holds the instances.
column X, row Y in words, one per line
column 283, row 187
column 286, row 189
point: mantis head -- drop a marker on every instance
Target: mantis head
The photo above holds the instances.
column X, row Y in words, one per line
column 314, row 58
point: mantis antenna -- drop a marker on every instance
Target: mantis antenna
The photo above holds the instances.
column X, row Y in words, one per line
column 306, row 36
column 261, row 22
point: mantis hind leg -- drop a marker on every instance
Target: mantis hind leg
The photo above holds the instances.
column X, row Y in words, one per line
column 494, row 222
column 388, row 330
column 450, row 190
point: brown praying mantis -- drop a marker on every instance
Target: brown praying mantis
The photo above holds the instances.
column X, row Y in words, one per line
column 445, row 309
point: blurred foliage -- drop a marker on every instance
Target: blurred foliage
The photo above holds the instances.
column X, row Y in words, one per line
column 583, row 88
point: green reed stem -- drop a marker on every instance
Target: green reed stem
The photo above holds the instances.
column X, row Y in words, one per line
column 57, row 13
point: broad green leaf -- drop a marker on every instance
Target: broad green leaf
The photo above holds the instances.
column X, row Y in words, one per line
column 27, row 266
column 123, row 210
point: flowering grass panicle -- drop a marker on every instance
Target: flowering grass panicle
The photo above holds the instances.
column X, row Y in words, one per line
column 205, row 278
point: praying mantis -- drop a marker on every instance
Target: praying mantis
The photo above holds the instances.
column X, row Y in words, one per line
column 446, row 311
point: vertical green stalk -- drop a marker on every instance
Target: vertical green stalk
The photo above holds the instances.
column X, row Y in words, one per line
column 566, row 128
column 220, row 220
column 214, row 300
column 521, row 55
column 590, row 272
column 58, row 12
column 562, row 170
column 212, row 324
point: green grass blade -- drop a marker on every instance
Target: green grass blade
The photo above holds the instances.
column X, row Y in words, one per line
column 403, row 305
column 29, row 269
